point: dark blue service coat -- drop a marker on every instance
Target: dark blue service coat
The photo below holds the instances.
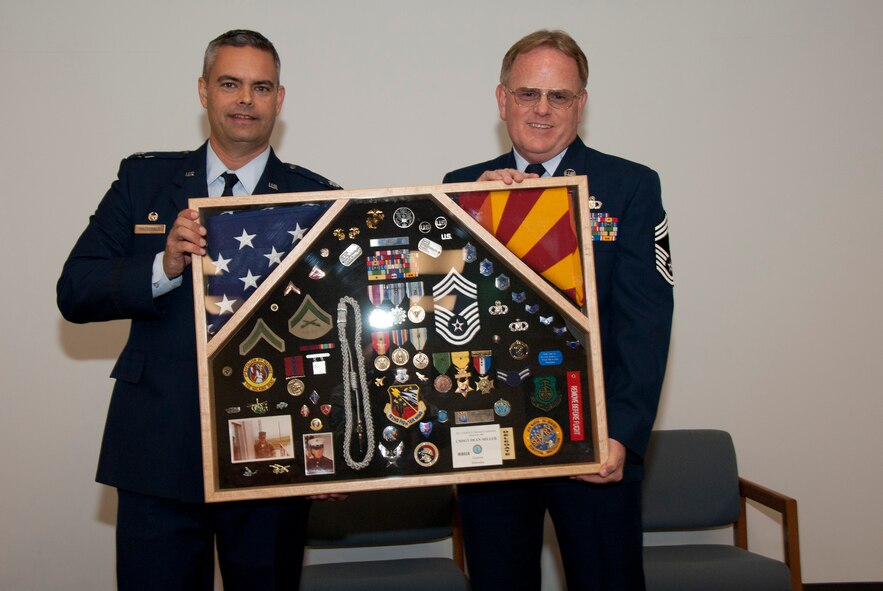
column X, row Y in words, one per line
column 151, row 439
column 635, row 299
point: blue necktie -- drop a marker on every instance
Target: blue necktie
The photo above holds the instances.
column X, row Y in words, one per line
column 230, row 179
column 538, row 169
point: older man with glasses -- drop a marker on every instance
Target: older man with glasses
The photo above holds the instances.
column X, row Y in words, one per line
column 597, row 517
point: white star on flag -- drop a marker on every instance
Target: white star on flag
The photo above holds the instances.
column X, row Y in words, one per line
column 250, row 281
column 221, row 264
column 275, row 257
column 297, row 233
column 226, row 305
column 245, row 239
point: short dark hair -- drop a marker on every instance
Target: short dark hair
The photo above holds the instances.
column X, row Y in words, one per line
column 544, row 38
column 238, row 38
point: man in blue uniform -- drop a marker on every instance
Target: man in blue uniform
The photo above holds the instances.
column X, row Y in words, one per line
column 541, row 97
column 131, row 262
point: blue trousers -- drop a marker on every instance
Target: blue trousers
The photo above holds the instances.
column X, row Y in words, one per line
column 170, row 545
column 598, row 529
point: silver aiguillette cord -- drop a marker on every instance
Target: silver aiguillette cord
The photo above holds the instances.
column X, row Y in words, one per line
column 353, row 382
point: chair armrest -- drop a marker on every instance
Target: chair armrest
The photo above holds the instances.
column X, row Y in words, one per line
column 782, row 504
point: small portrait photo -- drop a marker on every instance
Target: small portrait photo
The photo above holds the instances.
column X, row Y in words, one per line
column 318, row 454
column 259, row 439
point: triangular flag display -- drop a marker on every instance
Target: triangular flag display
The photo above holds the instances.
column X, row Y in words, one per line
column 407, row 341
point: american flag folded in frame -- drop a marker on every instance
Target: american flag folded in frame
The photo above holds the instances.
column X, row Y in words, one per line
column 409, row 336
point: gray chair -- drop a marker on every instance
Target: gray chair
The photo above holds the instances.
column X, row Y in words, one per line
column 387, row 518
column 691, row 483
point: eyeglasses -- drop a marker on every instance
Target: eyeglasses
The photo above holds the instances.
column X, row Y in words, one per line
column 559, row 99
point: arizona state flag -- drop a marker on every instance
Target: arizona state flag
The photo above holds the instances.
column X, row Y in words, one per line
column 538, row 226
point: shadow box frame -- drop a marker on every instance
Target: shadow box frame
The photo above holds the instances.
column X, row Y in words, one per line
column 581, row 321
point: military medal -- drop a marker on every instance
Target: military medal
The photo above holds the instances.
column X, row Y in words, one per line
column 376, row 294
column 395, row 293
column 418, row 337
column 460, row 360
column 416, row 314
column 481, row 361
column 443, row 384
column 400, row 355
column 484, row 385
column 380, row 344
column 502, row 407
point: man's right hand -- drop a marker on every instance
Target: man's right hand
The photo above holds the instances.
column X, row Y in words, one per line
column 507, row 175
column 186, row 238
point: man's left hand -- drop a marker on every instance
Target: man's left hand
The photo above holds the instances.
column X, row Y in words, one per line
column 612, row 469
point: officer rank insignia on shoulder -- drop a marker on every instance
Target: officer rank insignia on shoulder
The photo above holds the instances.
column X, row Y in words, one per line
column 663, row 253
column 318, row 178
column 146, row 155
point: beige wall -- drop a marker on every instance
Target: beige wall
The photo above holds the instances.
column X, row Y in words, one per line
column 762, row 117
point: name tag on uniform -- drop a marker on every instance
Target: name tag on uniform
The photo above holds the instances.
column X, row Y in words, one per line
column 150, row 228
